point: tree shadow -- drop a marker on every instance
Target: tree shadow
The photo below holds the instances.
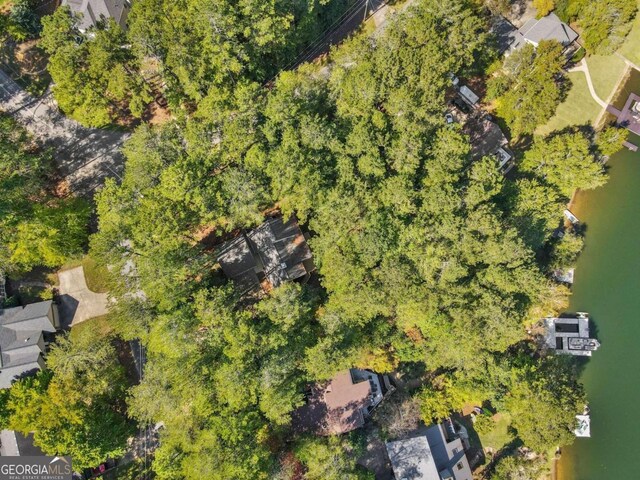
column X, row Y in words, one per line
column 505, row 451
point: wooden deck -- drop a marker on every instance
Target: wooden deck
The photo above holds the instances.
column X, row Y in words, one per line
column 629, row 118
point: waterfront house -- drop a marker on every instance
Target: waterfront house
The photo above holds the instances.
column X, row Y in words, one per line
column 536, row 30
column 267, row 256
column 341, row 404
column 438, row 454
column 24, row 336
column 570, row 336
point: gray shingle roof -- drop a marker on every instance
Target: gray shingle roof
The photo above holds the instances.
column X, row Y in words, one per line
column 548, row 28
column 92, row 11
column 412, row 459
column 22, row 339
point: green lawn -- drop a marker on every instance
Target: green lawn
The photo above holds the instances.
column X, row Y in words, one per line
column 605, row 72
column 577, row 109
column 97, row 328
column 499, row 436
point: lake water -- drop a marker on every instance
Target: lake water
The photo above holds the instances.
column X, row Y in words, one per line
column 607, row 285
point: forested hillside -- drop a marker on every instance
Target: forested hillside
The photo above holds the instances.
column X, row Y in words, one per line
column 428, row 263
column 424, row 256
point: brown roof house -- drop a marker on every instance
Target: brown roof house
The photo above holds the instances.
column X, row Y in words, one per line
column 487, row 139
column 341, row 404
column 267, row 256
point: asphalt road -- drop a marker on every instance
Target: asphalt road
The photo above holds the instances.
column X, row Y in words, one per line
column 84, row 156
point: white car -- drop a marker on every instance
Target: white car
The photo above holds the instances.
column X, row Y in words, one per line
column 449, row 118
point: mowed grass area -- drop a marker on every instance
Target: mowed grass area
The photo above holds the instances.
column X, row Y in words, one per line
column 97, row 328
column 605, row 72
column 499, row 436
column 579, row 108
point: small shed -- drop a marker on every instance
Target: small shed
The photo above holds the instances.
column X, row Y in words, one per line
column 469, row 95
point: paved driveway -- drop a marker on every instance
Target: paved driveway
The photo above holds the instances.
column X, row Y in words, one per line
column 77, row 302
column 84, row 156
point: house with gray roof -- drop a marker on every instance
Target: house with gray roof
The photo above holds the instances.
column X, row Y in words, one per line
column 487, row 139
column 267, row 256
column 546, row 28
column 24, row 335
column 91, row 12
column 438, row 454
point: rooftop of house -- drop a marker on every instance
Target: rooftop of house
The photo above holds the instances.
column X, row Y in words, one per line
column 22, row 339
column 274, row 252
column 93, row 11
column 412, row 459
column 339, row 405
column 431, row 456
column 545, row 28
column 469, row 95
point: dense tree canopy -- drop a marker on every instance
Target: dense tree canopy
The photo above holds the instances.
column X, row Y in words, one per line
column 565, row 161
column 96, row 76
column 604, row 23
column 528, row 88
column 519, row 468
column 423, row 255
column 36, row 227
column 75, row 406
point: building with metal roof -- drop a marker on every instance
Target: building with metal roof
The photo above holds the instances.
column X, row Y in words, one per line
column 24, row 334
